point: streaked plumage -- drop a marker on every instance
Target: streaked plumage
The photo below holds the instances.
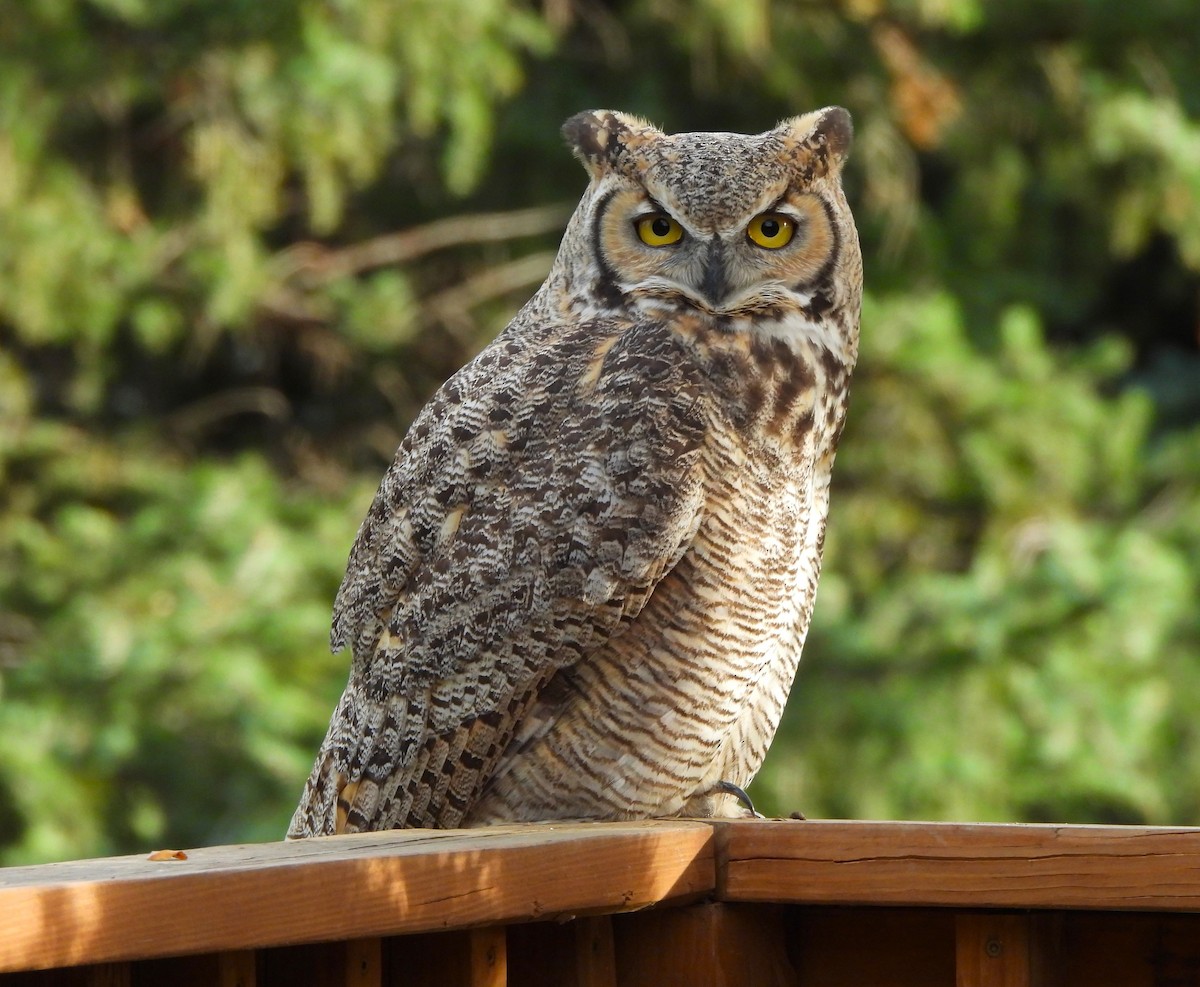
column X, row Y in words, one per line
column 582, row 589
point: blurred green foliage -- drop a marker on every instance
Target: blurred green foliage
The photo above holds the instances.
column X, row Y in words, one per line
column 241, row 243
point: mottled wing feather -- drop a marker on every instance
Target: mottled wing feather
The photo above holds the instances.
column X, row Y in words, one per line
column 531, row 510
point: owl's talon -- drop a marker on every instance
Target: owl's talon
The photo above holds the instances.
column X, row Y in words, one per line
column 739, row 793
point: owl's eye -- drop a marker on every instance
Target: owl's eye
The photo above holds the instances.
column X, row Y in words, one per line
column 771, row 230
column 658, row 230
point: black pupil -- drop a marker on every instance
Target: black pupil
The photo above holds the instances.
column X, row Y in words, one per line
column 661, row 226
column 770, row 228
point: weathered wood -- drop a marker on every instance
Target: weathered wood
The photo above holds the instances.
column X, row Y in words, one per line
column 708, row 945
column 314, row 912
column 344, row 887
column 974, row 866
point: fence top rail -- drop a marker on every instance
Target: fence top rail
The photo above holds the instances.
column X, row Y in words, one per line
column 988, row 865
column 351, row 887
column 342, row 887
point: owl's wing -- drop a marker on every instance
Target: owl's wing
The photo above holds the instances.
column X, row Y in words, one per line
column 531, row 510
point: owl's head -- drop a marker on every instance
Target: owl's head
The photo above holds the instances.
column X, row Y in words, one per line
column 752, row 231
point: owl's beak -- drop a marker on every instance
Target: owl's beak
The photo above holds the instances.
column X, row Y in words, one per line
column 714, row 286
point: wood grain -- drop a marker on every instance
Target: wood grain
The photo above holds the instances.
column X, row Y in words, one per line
column 544, row 954
column 110, row 975
column 1114, row 949
column 445, row 959
column 975, row 866
column 595, row 956
column 315, row 911
column 707, row 945
column 993, row 950
column 233, row 969
column 882, row 947
column 343, row 887
column 362, row 963
column 488, row 954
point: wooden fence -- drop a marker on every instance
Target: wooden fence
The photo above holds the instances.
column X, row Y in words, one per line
column 754, row 903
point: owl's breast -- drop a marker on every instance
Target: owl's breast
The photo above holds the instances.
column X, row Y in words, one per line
column 666, row 708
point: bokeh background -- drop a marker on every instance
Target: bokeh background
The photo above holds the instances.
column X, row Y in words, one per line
column 242, row 242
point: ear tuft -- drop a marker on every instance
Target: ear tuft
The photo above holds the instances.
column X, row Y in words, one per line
column 837, row 129
column 824, row 135
column 598, row 137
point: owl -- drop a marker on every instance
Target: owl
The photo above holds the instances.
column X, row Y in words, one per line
column 582, row 589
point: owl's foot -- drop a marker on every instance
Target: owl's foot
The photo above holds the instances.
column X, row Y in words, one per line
column 739, row 793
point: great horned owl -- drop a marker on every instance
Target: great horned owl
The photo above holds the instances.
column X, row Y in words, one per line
column 583, row 586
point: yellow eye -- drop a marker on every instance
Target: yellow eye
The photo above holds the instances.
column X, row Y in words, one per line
column 771, row 230
column 658, row 230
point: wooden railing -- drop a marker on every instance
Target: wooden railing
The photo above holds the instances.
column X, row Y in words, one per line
column 819, row 904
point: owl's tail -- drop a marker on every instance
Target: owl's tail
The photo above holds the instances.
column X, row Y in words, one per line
column 334, row 784
column 316, row 815
column 364, row 763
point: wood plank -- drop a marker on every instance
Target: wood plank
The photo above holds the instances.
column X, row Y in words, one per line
column 993, row 949
column 974, row 866
column 543, row 954
column 314, row 964
column 466, row 958
column 435, row 959
column 235, row 968
column 707, row 945
column 883, row 947
column 1084, row 948
column 488, row 954
column 232, row 969
column 349, row 963
column 343, row 887
column 1111, row 949
column 362, row 964
column 109, row 975
column 595, row 954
